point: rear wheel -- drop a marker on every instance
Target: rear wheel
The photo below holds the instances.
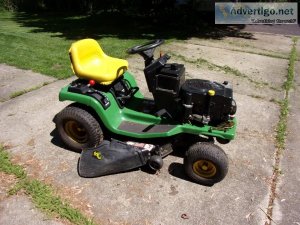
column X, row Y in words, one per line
column 78, row 128
column 206, row 163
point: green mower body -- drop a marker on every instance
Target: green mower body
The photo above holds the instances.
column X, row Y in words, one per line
column 131, row 122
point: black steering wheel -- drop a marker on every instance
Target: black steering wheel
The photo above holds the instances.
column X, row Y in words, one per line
column 145, row 47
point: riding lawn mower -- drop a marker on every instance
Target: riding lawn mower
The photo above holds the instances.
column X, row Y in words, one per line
column 117, row 129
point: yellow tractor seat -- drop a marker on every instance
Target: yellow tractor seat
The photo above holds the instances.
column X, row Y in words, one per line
column 91, row 63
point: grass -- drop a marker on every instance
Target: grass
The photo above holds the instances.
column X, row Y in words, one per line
column 257, row 96
column 258, row 51
column 7, row 167
column 28, row 50
column 39, row 44
column 284, row 105
column 281, row 129
column 42, row 195
column 291, row 72
column 276, row 56
column 18, row 93
column 40, row 41
column 282, row 124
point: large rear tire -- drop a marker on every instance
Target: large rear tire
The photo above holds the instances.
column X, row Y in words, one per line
column 78, row 128
column 206, row 163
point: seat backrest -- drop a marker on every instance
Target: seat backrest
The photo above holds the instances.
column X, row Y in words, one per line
column 84, row 52
column 88, row 61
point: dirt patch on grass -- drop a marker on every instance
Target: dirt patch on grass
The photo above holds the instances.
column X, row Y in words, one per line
column 35, row 169
column 7, row 182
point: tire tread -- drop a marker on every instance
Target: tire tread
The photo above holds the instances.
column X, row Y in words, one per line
column 207, row 151
column 79, row 113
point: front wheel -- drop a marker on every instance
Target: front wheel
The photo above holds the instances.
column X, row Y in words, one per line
column 206, row 163
column 78, row 128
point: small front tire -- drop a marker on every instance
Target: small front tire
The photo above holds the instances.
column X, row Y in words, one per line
column 206, row 163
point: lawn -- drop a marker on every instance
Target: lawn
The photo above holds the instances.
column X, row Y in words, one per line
column 41, row 43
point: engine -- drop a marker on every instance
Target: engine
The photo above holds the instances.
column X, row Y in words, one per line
column 192, row 100
column 207, row 101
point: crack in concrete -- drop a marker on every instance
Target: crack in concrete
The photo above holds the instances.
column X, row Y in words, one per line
column 280, row 144
column 201, row 62
column 267, row 54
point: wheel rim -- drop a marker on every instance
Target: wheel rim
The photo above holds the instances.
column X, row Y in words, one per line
column 204, row 168
column 76, row 131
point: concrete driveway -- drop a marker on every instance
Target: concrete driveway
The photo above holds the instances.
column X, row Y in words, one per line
column 256, row 67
